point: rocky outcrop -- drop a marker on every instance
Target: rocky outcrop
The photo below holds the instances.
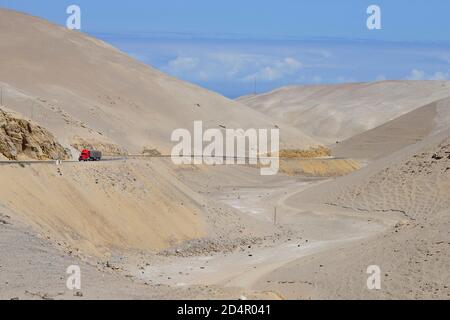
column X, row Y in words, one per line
column 22, row 139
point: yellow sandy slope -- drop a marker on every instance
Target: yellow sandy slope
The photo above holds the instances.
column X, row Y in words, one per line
column 102, row 207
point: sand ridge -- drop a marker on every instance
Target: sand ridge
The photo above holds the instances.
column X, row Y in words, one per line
column 397, row 134
column 333, row 113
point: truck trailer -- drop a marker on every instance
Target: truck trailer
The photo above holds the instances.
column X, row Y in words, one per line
column 90, row 155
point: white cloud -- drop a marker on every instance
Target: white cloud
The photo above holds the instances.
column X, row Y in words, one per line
column 232, row 66
column 181, row 64
column 440, row 76
column 276, row 69
column 417, row 74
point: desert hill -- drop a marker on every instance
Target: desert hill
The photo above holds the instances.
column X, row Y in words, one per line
column 411, row 186
column 333, row 113
column 77, row 91
column 398, row 133
column 81, row 88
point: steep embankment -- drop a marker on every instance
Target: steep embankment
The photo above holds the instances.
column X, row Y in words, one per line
column 333, row 113
column 103, row 207
column 107, row 207
column 80, row 87
column 398, row 133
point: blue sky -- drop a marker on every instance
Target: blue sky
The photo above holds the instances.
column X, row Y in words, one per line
column 228, row 46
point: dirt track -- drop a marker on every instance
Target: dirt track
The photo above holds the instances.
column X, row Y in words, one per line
column 302, row 233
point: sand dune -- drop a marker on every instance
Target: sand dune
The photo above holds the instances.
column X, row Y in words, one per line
column 75, row 85
column 411, row 186
column 398, row 133
column 333, row 113
column 414, row 181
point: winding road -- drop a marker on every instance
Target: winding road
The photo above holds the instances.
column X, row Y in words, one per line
column 243, row 269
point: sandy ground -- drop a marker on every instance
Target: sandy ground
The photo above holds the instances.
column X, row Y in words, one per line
column 413, row 259
column 227, row 265
column 414, row 256
column 31, row 268
column 300, row 234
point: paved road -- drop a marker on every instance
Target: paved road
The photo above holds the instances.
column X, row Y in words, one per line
column 246, row 158
column 109, row 159
column 54, row 161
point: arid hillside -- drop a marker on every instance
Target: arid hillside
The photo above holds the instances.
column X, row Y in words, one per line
column 411, row 186
column 398, row 133
column 80, row 87
column 87, row 94
column 332, row 113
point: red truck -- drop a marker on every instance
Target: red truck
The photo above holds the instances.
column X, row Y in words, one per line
column 90, row 155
